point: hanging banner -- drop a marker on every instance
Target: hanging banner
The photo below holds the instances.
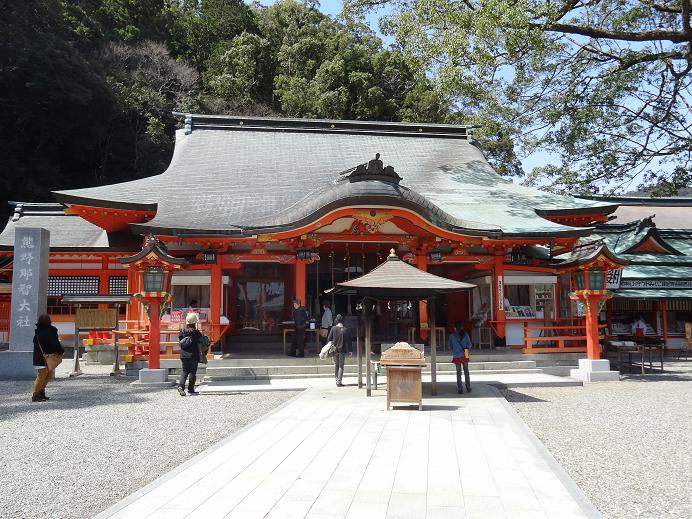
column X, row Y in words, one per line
column 500, row 293
column 656, row 283
column 614, row 279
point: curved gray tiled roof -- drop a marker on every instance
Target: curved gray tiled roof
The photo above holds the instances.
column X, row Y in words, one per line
column 228, row 178
column 66, row 231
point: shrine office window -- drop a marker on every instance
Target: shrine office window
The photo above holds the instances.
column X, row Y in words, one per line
column 67, row 285
column 117, row 285
column 63, row 285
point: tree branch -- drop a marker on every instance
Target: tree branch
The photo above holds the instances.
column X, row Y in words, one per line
column 595, row 32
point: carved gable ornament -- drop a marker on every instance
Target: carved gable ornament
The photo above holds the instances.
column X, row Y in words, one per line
column 374, row 170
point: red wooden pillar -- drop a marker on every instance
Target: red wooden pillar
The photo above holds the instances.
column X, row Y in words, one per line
column 422, row 264
column 132, row 312
column 593, row 347
column 499, row 294
column 215, row 298
column 103, row 278
column 301, row 281
column 154, row 336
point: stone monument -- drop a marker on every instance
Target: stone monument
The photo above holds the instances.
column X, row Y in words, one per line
column 29, row 299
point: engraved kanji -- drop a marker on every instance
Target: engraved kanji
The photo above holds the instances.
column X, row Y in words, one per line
column 23, row 321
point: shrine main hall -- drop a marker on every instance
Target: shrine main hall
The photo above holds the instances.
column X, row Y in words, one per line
column 265, row 210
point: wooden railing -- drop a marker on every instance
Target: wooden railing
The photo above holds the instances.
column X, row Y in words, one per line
column 138, row 344
column 555, row 339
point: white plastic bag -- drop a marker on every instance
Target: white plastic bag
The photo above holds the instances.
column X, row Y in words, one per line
column 324, row 353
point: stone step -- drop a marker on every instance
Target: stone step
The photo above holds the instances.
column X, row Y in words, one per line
column 558, row 371
column 312, row 358
column 381, row 376
column 214, row 369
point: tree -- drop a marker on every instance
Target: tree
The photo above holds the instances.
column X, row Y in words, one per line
column 239, row 69
column 324, row 68
column 603, row 85
column 54, row 106
column 198, row 26
column 148, row 85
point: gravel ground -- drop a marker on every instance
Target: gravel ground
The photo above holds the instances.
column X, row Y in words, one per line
column 628, row 445
column 98, row 440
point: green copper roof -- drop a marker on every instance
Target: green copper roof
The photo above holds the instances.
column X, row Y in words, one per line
column 656, row 272
column 653, row 294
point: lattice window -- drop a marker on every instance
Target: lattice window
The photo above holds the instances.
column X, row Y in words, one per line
column 117, row 285
column 634, row 305
column 59, row 285
column 679, row 304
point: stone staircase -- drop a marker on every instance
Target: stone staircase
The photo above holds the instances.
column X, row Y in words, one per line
column 268, row 367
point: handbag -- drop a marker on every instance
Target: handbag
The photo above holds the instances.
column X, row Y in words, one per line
column 203, row 349
column 53, row 360
column 328, row 350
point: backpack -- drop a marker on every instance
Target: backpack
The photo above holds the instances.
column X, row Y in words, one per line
column 186, row 343
column 204, row 343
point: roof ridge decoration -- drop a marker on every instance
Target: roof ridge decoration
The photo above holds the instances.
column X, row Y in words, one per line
column 154, row 250
column 35, row 209
column 593, row 252
column 192, row 121
column 651, row 241
column 374, row 170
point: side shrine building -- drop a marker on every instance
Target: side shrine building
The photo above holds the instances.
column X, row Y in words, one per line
column 264, row 210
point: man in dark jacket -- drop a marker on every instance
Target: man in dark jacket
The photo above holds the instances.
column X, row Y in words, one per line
column 300, row 322
column 46, row 342
column 190, row 342
column 338, row 335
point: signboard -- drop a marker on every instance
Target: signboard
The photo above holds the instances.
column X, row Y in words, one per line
column 303, row 254
column 656, row 283
column 614, row 279
column 500, row 293
column 209, row 256
column 96, row 318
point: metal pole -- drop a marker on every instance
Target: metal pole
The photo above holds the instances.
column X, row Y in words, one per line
column 366, row 311
column 348, row 278
column 76, row 370
column 359, row 353
column 331, row 270
column 433, row 346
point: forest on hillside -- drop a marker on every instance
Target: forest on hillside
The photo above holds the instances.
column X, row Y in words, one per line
column 88, row 87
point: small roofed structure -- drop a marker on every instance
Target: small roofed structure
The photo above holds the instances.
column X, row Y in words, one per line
column 396, row 280
column 101, row 319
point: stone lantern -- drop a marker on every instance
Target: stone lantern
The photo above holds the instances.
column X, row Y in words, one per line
column 589, row 265
column 155, row 266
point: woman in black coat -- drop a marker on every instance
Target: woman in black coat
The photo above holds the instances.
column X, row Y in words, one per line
column 190, row 342
column 46, row 341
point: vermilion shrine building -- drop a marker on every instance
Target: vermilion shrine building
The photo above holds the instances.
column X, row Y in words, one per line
column 265, row 210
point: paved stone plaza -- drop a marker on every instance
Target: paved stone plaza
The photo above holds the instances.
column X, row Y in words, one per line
column 334, row 453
